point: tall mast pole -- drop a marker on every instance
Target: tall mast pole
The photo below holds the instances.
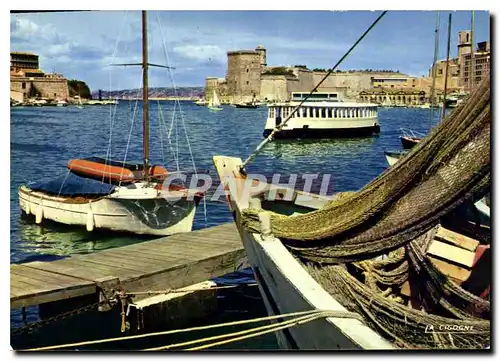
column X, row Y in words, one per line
column 446, row 69
column 434, row 69
column 145, row 105
column 472, row 70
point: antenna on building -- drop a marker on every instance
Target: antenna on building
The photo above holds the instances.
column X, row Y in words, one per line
column 472, row 71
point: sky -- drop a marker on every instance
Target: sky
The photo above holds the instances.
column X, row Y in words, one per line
column 82, row 45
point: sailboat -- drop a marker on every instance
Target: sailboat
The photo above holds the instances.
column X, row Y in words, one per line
column 104, row 194
column 79, row 105
column 214, row 103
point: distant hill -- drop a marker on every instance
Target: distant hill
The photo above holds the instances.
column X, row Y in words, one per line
column 184, row 92
column 78, row 88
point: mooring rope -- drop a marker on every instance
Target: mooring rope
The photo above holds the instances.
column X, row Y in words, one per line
column 257, row 331
column 281, row 125
column 168, row 291
column 315, row 312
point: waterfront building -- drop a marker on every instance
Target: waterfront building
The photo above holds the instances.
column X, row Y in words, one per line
column 394, row 97
column 475, row 67
column 28, row 79
column 249, row 77
column 22, row 60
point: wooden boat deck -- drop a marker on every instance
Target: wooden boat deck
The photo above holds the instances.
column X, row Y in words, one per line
column 165, row 263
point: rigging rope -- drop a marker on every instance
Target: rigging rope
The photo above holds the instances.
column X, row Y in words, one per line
column 180, row 112
column 112, row 115
column 294, row 110
column 160, row 130
column 134, row 114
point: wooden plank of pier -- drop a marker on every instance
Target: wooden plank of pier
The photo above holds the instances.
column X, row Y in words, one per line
column 165, row 263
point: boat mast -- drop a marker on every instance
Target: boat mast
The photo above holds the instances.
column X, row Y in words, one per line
column 446, row 68
column 145, row 105
column 434, row 69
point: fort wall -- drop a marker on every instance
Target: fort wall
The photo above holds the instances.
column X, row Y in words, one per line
column 51, row 88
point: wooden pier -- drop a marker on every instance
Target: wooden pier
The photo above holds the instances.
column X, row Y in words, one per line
column 165, row 263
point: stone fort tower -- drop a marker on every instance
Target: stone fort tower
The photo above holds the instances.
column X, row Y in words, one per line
column 244, row 68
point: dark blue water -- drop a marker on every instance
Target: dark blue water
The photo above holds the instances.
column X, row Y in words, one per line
column 43, row 140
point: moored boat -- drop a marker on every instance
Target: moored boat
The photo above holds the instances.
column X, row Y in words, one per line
column 409, row 138
column 100, row 193
column 201, row 102
column 248, row 105
column 393, row 156
column 322, row 116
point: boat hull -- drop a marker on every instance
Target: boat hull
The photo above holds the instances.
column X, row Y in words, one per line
column 246, row 106
column 393, row 157
column 157, row 216
column 287, row 287
column 325, row 132
column 409, row 142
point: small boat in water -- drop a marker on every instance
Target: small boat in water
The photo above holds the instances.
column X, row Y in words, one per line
column 201, row 102
column 409, row 138
column 102, row 102
column 393, row 156
column 214, row 103
column 100, row 193
column 248, row 105
column 322, row 116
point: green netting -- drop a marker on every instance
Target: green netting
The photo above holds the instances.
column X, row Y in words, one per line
column 447, row 168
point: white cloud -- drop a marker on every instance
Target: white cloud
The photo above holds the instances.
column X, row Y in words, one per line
column 201, row 52
column 26, row 30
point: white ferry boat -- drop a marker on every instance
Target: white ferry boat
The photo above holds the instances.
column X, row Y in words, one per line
column 323, row 115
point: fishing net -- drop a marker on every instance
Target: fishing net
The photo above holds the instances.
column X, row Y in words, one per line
column 447, row 168
column 372, row 289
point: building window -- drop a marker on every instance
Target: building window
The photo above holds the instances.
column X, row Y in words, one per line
column 247, row 70
column 467, row 38
column 440, row 72
column 23, row 85
column 248, row 82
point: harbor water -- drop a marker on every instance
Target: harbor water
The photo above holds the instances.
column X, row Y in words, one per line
column 43, row 140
